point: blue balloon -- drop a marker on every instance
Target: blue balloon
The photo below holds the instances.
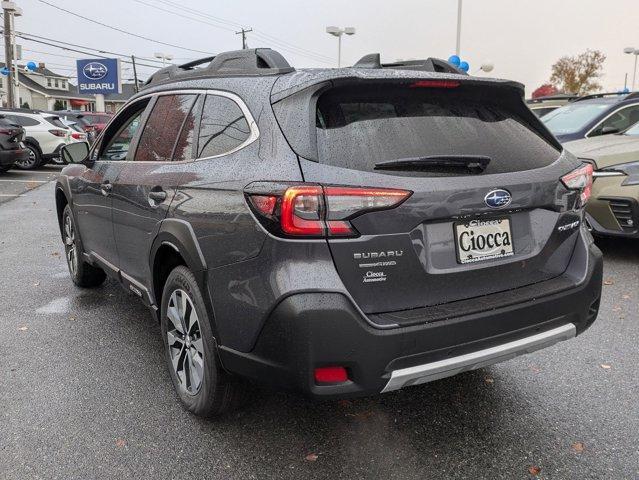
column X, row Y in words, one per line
column 455, row 60
column 464, row 67
column 4, row 71
column 31, row 66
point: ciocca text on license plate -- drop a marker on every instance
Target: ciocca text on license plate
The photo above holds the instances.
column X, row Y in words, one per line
column 479, row 240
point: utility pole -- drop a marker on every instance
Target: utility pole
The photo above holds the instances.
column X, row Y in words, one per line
column 135, row 74
column 9, row 11
column 244, row 32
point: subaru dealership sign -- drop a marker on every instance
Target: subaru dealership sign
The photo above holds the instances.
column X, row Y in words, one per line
column 101, row 75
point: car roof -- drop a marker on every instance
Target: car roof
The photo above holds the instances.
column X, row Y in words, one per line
column 265, row 62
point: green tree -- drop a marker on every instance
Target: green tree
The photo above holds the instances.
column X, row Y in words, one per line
column 58, row 105
column 25, row 105
column 578, row 74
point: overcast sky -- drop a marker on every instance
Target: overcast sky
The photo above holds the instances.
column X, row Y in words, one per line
column 522, row 38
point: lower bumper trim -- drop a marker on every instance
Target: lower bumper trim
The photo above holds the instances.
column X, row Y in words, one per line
column 452, row 366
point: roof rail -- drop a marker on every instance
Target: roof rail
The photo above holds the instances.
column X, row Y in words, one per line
column 601, row 95
column 257, row 61
column 372, row 61
column 556, row 96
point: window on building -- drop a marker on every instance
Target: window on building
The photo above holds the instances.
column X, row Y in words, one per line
column 48, row 82
column 56, row 83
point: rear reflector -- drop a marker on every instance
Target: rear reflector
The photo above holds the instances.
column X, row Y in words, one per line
column 435, row 84
column 265, row 204
column 580, row 179
column 331, row 375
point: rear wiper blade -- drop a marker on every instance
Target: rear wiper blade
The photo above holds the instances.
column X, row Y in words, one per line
column 475, row 163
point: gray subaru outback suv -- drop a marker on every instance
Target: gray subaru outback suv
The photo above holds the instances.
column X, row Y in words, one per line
column 338, row 232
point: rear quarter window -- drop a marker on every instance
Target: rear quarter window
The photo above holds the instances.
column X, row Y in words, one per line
column 358, row 127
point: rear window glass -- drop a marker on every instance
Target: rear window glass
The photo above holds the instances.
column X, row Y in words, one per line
column 55, row 121
column 358, row 127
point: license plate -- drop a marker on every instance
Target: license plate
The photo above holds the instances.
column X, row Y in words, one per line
column 479, row 240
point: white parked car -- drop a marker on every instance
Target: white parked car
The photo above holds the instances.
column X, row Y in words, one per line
column 45, row 134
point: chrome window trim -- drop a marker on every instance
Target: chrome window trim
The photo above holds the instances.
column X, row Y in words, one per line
column 608, row 116
column 253, row 135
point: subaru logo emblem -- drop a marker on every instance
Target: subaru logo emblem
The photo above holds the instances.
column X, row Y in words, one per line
column 95, row 70
column 498, row 198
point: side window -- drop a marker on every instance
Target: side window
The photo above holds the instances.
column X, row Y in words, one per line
column 25, row 121
column 117, row 140
column 223, row 127
column 618, row 121
column 163, row 127
column 184, row 148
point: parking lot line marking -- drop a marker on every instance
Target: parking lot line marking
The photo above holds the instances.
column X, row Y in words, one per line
column 24, row 181
column 10, row 195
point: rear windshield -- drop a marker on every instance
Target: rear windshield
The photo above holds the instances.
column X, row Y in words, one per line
column 358, row 127
column 55, row 121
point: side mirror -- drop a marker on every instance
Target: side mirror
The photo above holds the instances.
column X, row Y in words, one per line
column 77, row 152
column 609, row 130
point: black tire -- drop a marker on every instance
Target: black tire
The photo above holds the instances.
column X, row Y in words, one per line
column 5, row 168
column 82, row 274
column 217, row 391
column 33, row 161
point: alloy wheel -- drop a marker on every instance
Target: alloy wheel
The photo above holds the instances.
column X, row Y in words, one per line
column 69, row 244
column 30, row 161
column 184, row 336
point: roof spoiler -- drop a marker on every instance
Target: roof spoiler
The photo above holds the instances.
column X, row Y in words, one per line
column 257, row 61
column 373, row 61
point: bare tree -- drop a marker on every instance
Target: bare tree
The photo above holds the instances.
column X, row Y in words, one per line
column 578, row 74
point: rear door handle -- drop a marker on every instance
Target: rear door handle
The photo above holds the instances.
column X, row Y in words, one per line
column 106, row 188
column 157, row 196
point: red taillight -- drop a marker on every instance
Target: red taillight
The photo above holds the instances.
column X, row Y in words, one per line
column 265, row 204
column 301, row 211
column 316, row 211
column 58, row 133
column 78, row 136
column 580, row 179
column 331, row 375
column 435, row 84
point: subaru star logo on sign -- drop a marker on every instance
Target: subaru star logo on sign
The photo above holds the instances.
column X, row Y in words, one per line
column 498, row 198
column 99, row 75
column 95, row 70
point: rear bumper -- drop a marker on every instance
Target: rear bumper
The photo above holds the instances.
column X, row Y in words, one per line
column 10, row 157
column 310, row 330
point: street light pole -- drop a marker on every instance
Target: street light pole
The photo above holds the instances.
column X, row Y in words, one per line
column 164, row 57
column 459, row 20
column 338, row 32
column 635, row 52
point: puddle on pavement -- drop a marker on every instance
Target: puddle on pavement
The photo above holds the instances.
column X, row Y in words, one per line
column 59, row 305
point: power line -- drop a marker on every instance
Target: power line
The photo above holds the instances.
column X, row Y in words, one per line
column 87, row 48
column 121, row 30
column 284, row 45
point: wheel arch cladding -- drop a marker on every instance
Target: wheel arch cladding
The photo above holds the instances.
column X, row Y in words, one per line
column 175, row 244
column 61, row 201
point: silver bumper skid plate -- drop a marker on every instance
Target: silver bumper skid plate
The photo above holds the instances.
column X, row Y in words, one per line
column 482, row 358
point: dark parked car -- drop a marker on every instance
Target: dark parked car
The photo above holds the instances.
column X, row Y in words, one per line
column 593, row 115
column 12, row 149
column 338, row 232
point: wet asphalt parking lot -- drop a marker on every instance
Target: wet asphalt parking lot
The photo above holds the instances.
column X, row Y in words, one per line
column 84, row 392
